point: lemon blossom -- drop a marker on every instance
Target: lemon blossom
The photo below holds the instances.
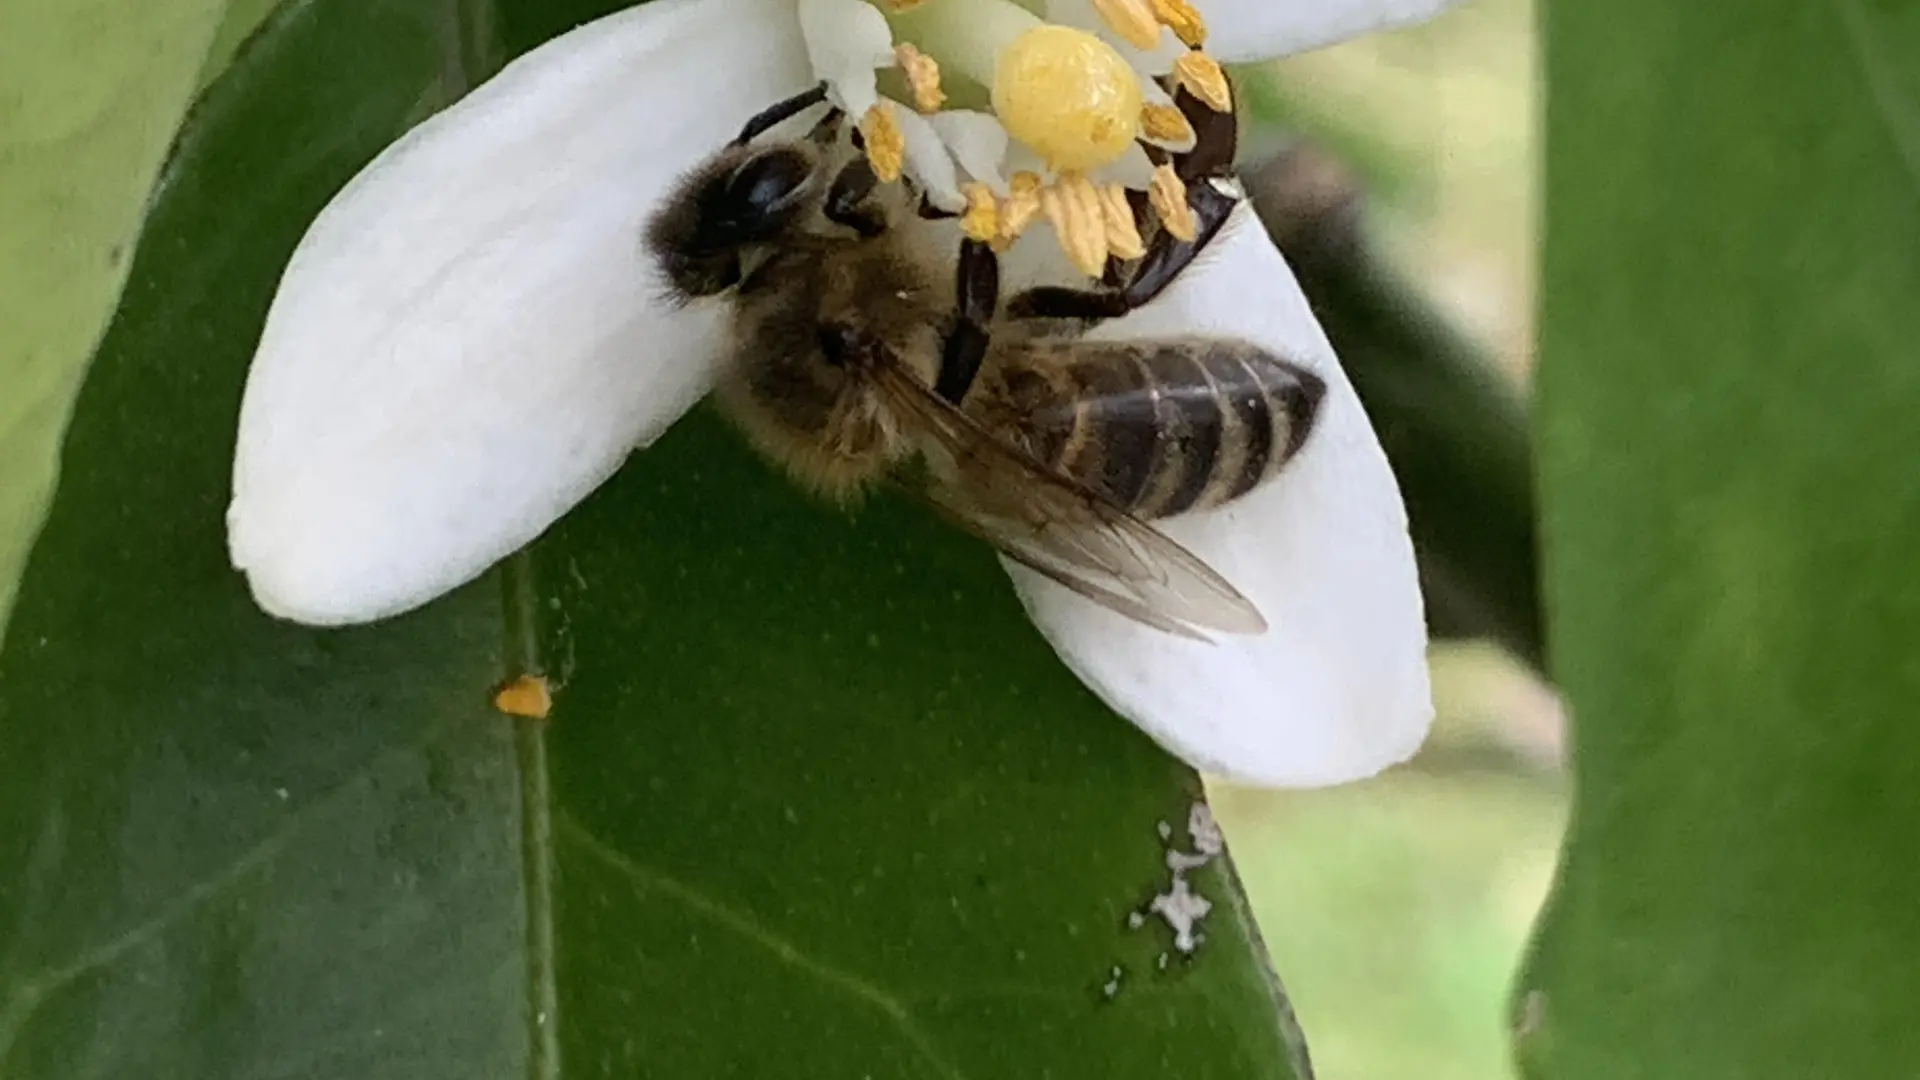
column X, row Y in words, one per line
column 468, row 340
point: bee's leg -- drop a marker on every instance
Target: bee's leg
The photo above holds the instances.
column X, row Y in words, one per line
column 779, row 111
column 1207, row 170
column 850, row 200
column 1166, row 257
column 977, row 290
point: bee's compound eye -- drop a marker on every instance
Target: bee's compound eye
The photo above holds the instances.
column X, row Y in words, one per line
column 768, row 184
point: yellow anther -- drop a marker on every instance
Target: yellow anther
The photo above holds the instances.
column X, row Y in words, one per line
column 1200, row 74
column 1133, row 20
column 527, row 696
column 1181, row 18
column 1067, row 95
column 1165, row 123
column 923, row 77
column 1073, row 207
column 1168, row 197
column 886, row 147
column 1020, row 207
column 1123, row 233
column 981, row 221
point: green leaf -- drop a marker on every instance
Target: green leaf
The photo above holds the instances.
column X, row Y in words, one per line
column 90, row 93
column 1728, row 400
column 814, row 800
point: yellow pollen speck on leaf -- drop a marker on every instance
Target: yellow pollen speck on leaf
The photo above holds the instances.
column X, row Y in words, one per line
column 981, row 221
column 1020, row 207
column 1165, row 123
column 886, row 147
column 1133, row 20
column 1168, row 197
column 1180, row 17
column 1068, row 96
column 923, row 77
column 1123, row 233
column 1200, row 74
column 527, row 696
column 1073, row 206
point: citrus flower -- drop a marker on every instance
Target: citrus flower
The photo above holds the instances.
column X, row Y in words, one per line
column 468, row 340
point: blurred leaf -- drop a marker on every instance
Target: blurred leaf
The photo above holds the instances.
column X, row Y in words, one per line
column 242, row 18
column 90, row 94
column 1453, row 427
column 814, row 801
column 1728, row 403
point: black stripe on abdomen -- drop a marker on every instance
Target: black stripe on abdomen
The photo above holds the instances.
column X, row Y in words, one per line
column 1253, row 421
column 1115, row 452
column 1191, row 423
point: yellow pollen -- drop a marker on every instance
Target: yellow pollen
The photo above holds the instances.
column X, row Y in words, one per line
column 886, row 147
column 527, row 696
column 1073, row 207
column 1165, row 123
column 1185, row 22
column 923, row 77
column 1020, row 207
column 981, row 221
column 1123, row 234
column 1134, row 20
column 1168, row 197
column 1068, row 96
column 1202, row 77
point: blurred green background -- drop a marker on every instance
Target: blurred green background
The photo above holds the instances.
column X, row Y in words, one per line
column 1397, row 910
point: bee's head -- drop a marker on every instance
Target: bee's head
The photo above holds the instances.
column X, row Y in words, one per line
column 743, row 197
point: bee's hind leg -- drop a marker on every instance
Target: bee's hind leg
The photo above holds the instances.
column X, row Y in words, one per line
column 1166, row 257
column 1212, row 194
column 780, row 111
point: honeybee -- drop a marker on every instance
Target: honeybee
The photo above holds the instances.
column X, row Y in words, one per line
column 858, row 354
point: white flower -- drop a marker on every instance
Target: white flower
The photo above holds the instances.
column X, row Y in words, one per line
column 468, row 341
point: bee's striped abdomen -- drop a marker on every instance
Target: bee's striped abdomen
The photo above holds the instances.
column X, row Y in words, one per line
column 1161, row 427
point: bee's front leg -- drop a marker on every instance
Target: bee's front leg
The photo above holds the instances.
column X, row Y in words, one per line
column 850, row 200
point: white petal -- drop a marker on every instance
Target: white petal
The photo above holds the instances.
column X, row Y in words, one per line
column 928, row 160
column 978, row 143
column 1239, row 31
column 1337, row 688
column 846, row 40
column 1133, row 169
column 469, row 339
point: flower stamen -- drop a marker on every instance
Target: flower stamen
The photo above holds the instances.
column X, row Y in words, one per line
column 1073, row 207
column 981, row 220
column 1019, row 208
column 1134, row 21
column 886, row 146
column 1202, row 77
column 1167, row 194
column 1123, row 233
column 1165, row 123
column 1183, row 19
column 923, row 77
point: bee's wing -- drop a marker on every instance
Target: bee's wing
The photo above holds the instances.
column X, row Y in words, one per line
column 1062, row 528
